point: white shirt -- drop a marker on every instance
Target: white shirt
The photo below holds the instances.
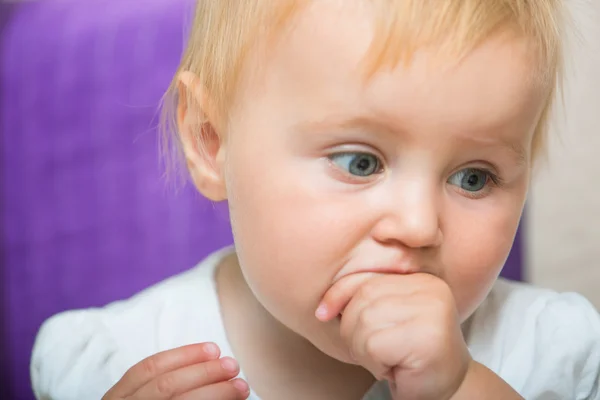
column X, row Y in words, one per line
column 544, row 344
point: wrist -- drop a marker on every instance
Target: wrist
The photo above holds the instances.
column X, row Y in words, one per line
column 482, row 383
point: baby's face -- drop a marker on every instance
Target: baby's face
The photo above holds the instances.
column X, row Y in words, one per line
column 421, row 169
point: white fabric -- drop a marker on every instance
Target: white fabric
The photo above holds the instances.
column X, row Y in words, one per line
column 546, row 345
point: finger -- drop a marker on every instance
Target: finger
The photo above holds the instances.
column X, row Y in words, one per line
column 185, row 379
column 384, row 349
column 161, row 363
column 365, row 316
column 361, row 318
column 366, row 285
column 236, row 389
column 339, row 294
column 381, row 312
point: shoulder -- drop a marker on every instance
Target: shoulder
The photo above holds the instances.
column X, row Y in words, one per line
column 540, row 341
column 82, row 353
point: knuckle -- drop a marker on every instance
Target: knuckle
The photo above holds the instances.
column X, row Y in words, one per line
column 149, row 366
column 372, row 347
column 208, row 370
column 165, row 385
column 366, row 317
column 384, row 309
column 368, row 292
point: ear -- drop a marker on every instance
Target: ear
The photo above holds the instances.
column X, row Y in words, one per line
column 203, row 144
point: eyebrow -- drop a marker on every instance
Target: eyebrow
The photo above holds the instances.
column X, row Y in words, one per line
column 355, row 123
column 519, row 152
column 367, row 124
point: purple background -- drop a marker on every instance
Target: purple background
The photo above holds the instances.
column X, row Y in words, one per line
column 85, row 213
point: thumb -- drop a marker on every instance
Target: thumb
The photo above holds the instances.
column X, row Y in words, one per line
column 337, row 297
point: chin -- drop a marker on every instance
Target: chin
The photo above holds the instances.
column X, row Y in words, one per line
column 341, row 356
column 332, row 345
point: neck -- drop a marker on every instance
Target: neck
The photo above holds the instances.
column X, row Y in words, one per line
column 274, row 359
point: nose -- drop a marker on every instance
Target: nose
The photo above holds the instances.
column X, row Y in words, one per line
column 411, row 218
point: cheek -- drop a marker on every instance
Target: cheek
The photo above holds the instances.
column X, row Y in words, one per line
column 475, row 252
column 291, row 238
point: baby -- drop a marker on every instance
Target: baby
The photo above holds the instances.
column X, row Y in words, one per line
column 375, row 157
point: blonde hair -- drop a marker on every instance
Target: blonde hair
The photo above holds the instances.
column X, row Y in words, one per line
column 224, row 31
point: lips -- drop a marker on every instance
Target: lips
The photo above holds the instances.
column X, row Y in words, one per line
column 401, row 268
column 405, row 268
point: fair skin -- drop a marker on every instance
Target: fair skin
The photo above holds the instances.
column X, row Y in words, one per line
column 371, row 218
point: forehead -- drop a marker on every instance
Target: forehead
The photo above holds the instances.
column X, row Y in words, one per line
column 319, row 64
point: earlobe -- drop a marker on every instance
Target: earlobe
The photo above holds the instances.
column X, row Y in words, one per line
column 203, row 144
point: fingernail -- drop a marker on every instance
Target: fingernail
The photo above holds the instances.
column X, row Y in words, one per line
column 240, row 385
column 229, row 364
column 211, row 349
column 321, row 312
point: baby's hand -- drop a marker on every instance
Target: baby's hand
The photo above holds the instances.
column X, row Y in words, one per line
column 403, row 328
column 185, row 373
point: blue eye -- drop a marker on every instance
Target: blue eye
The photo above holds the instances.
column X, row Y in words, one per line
column 357, row 164
column 470, row 179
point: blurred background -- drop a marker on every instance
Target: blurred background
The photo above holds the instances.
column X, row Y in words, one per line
column 86, row 216
column 563, row 215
